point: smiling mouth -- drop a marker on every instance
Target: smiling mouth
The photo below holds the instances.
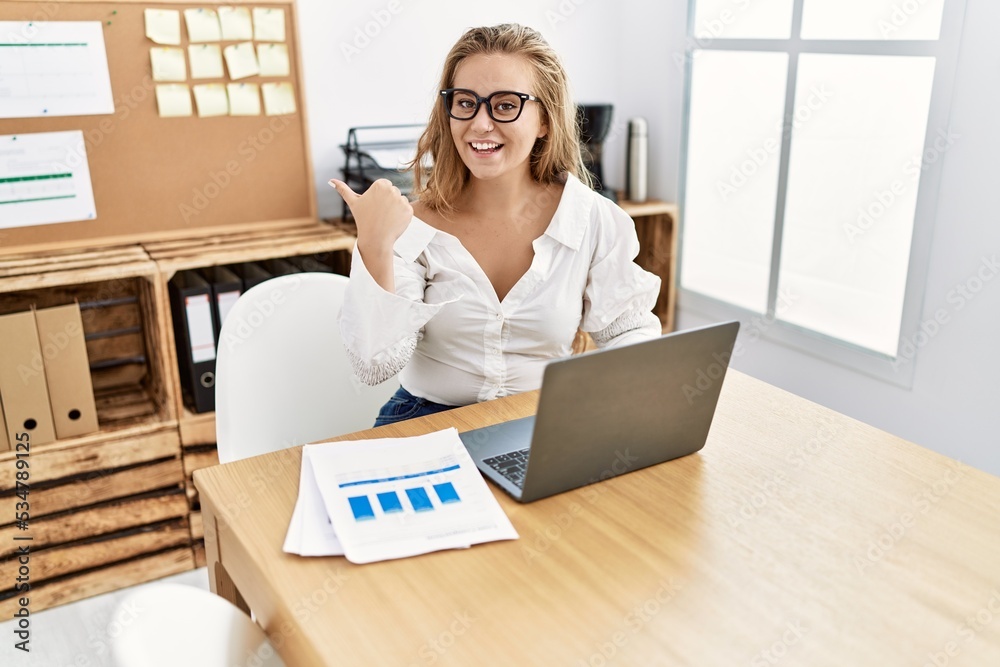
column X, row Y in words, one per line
column 485, row 147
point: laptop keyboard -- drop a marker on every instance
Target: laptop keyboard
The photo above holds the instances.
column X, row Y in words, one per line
column 511, row 465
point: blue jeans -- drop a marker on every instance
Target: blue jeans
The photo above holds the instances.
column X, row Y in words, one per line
column 403, row 405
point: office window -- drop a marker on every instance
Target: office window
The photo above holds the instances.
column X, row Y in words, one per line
column 812, row 155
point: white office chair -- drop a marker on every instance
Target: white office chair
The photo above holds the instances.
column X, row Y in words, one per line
column 282, row 374
column 166, row 625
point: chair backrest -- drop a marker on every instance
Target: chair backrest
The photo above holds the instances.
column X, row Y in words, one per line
column 166, row 625
column 282, row 375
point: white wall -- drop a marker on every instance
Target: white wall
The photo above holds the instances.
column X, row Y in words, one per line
column 627, row 52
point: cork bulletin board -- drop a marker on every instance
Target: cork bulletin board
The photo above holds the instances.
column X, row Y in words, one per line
column 162, row 178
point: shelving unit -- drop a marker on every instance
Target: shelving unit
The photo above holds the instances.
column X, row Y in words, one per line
column 656, row 226
column 197, row 431
column 107, row 508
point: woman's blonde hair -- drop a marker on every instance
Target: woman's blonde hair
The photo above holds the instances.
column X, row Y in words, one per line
column 558, row 152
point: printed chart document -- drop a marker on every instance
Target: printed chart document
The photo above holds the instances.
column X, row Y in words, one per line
column 394, row 497
column 53, row 68
column 44, row 178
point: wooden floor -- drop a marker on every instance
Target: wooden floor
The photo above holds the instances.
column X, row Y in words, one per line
column 77, row 633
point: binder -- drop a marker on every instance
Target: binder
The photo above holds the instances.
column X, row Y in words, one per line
column 226, row 287
column 280, row 267
column 23, row 389
column 251, row 273
column 67, row 370
column 191, row 306
column 4, row 444
column 310, row 264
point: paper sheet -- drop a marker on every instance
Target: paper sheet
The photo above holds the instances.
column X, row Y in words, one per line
column 244, row 99
column 163, row 26
column 430, row 497
column 202, row 25
column 241, row 60
column 168, row 63
column 273, row 59
column 53, row 68
column 211, row 99
column 206, row 61
column 310, row 532
column 268, row 24
column 279, row 98
column 44, row 179
column 173, row 100
column 236, row 23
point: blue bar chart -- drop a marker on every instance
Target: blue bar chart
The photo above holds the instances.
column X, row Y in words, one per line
column 418, row 500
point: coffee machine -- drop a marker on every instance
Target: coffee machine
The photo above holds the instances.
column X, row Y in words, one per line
column 595, row 122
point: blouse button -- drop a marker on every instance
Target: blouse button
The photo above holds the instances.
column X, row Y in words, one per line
column 499, row 316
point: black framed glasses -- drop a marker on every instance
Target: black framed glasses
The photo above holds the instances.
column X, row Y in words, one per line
column 503, row 106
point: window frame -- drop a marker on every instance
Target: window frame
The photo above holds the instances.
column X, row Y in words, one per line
column 898, row 370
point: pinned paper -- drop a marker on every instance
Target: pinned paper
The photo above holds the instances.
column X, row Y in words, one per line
column 268, row 24
column 273, row 59
column 202, row 25
column 206, row 61
column 241, row 60
column 236, row 23
column 211, row 100
column 244, row 100
column 168, row 64
column 279, row 98
column 163, row 26
column 173, row 100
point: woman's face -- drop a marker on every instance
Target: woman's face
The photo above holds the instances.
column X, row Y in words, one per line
column 488, row 148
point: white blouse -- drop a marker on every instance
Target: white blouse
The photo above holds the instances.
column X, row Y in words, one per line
column 455, row 343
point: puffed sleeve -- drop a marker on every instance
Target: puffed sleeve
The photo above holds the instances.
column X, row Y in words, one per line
column 620, row 295
column 380, row 329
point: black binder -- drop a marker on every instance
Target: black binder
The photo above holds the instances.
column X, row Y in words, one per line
column 280, row 267
column 194, row 334
column 311, row 264
column 251, row 273
column 226, row 289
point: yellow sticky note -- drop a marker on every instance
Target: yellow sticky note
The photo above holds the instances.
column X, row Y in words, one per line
column 206, row 61
column 279, row 98
column 241, row 60
column 273, row 59
column 268, row 24
column 244, row 99
column 202, row 25
column 168, row 64
column 173, row 99
column 163, row 26
column 211, row 99
column 236, row 23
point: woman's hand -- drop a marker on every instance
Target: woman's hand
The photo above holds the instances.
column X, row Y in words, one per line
column 381, row 214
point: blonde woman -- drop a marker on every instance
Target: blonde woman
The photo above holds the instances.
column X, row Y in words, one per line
column 507, row 251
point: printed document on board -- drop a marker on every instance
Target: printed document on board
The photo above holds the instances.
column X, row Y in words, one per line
column 44, row 178
column 429, row 497
column 53, row 68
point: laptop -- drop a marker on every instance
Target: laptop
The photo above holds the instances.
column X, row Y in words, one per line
column 610, row 412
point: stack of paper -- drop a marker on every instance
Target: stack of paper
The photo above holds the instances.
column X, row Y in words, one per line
column 372, row 500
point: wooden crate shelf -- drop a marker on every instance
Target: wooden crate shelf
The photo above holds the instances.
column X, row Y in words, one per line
column 249, row 246
column 656, row 227
column 103, row 580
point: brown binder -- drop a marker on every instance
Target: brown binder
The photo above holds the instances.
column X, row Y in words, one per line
column 67, row 370
column 23, row 390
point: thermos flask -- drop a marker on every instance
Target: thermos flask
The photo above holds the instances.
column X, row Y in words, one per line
column 636, row 163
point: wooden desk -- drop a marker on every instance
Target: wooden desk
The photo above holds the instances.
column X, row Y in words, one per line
column 797, row 536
